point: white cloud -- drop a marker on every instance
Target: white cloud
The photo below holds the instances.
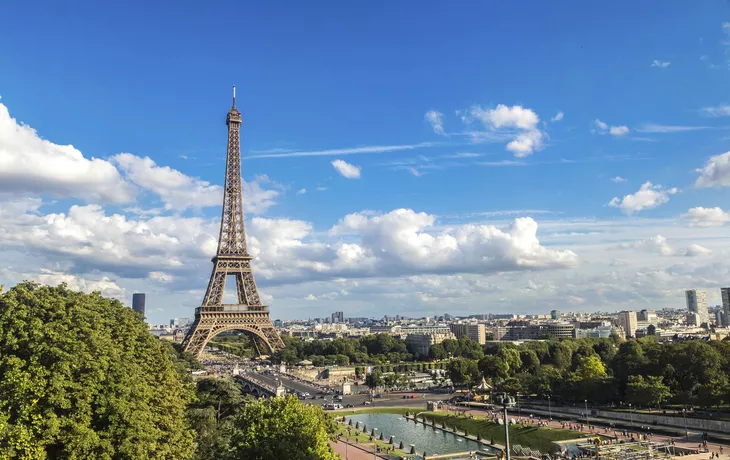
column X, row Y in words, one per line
column 102, row 284
column 716, row 172
column 716, row 111
column 618, row 130
column 517, row 123
column 346, row 169
column 695, row 250
column 707, row 217
column 618, row 179
column 649, row 196
column 656, row 243
column 30, row 164
column 301, row 191
column 604, row 128
column 436, row 119
column 178, row 191
column 660, row 64
column 414, row 171
column 345, row 151
column 175, row 189
column 559, row 116
column 656, row 128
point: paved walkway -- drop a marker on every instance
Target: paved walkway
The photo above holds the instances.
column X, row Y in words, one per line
column 692, row 443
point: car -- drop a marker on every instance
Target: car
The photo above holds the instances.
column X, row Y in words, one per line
column 338, row 397
column 349, row 405
column 378, row 395
column 366, row 403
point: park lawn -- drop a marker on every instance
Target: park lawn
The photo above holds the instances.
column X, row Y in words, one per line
column 530, row 436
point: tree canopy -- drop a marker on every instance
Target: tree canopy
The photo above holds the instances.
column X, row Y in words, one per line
column 82, row 377
column 281, row 428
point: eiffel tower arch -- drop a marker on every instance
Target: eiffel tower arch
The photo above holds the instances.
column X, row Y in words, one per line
column 249, row 315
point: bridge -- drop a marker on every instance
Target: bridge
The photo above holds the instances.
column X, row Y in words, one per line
column 257, row 387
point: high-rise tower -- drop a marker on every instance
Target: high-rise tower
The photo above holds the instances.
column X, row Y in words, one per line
column 249, row 315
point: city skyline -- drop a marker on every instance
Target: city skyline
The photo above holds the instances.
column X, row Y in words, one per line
column 379, row 180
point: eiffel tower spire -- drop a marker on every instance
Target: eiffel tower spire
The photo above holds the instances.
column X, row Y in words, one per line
column 232, row 258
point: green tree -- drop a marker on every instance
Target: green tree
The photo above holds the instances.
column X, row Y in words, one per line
column 463, row 371
column 281, row 428
column 81, row 377
column 591, row 368
column 374, row 379
column 211, row 415
column 530, row 361
column 493, row 368
column 649, row 391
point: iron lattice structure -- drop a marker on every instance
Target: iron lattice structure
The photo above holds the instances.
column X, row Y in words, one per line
column 232, row 259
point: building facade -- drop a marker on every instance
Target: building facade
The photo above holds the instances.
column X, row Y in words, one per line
column 138, row 301
column 628, row 321
column 697, row 303
column 475, row 332
column 420, row 343
column 725, row 294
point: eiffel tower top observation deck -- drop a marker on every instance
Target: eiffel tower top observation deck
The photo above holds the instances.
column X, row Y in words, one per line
column 232, row 259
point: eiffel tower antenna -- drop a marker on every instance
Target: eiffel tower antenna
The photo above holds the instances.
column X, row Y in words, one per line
column 249, row 315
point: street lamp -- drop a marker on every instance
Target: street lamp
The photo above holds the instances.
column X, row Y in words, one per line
column 550, row 409
column 586, row 405
column 507, row 401
column 519, row 409
column 686, row 433
column 631, row 417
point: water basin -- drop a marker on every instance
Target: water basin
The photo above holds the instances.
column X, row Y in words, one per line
column 424, row 437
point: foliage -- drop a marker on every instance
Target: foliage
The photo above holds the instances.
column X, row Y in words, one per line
column 82, row 377
column 281, row 428
column 463, row 371
column 650, row 391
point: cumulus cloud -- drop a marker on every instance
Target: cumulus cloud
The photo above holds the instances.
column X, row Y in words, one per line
column 716, row 172
column 175, row 189
column 436, row 120
column 301, row 191
column 660, row 64
column 618, row 130
column 559, row 116
column 604, row 128
column 517, row 123
column 656, row 243
column 179, row 191
column 346, row 169
column 707, row 217
column 649, row 196
column 30, row 164
column 618, row 179
column 695, row 250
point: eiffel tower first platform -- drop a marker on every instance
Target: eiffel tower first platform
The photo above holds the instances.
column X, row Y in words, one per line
column 249, row 315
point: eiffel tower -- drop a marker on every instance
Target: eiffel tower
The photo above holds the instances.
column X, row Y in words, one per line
column 249, row 315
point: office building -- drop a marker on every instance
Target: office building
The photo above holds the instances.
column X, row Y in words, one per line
column 338, row 317
column 420, row 343
column 554, row 314
column 697, row 303
column 628, row 321
column 725, row 294
column 475, row 332
column 138, row 303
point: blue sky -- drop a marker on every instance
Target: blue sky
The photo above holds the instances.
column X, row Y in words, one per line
column 641, row 86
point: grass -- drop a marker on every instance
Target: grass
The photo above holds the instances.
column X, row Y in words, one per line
column 528, row 436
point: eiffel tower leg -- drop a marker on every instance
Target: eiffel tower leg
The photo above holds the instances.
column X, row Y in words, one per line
column 199, row 334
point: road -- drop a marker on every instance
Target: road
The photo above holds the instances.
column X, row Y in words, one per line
column 357, row 400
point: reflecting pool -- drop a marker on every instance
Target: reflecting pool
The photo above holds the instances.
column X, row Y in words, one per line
column 424, row 437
